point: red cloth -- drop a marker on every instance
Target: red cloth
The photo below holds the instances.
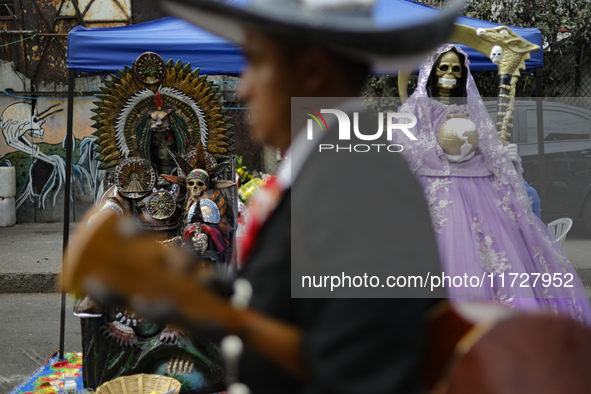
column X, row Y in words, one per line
column 264, row 203
column 220, row 241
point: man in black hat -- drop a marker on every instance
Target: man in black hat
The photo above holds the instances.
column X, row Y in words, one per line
column 324, row 211
column 343, row 214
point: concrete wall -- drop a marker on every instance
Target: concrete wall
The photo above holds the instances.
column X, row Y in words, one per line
column 33, row 76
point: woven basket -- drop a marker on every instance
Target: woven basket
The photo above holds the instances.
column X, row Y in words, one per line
column 140, row 384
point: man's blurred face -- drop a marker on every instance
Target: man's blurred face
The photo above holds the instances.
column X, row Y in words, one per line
column 269, row 81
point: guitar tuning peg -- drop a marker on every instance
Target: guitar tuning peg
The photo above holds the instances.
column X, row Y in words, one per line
column 242, row 293
column 238, row 388
column 231, row 347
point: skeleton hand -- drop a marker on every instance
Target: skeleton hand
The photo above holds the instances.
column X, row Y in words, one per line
column 200, row 242
column 512, row 152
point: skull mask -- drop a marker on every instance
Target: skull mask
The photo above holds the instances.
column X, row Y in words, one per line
column 449, row 71
column 197, row 182
column 496, row 54
column 160, row 120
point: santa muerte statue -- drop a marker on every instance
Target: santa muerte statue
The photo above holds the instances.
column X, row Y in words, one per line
column 163, row 135
column 479, row 206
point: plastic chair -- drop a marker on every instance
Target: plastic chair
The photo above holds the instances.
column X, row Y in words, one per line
column 559, row 228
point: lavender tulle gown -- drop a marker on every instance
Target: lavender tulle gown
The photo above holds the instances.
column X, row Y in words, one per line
column 482, row 215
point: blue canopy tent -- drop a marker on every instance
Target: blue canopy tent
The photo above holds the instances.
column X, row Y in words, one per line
column 478, row 62
column 105, row 50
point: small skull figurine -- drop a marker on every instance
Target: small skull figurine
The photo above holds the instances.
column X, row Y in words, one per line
column 197, row 182
column 496, row 54
column 449, row 71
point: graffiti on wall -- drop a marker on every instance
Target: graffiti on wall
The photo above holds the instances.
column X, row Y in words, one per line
column 34, row 140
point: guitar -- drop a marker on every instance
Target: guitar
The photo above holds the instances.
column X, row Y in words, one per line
column 472, row 348
column 113, row 256
column 493, row 350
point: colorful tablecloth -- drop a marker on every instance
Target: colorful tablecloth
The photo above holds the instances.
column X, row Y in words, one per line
column 49, row 377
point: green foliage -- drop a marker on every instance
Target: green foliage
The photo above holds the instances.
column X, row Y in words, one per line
column 244, row 174
column 562, row 22
column 384, row 86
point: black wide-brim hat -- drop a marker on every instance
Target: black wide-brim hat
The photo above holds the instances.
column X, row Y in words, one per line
column 357, row 29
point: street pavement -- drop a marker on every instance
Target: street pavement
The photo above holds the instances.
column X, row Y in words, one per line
column 30, row 260
column 30, row 257
column 31, row 253
column 30, row 334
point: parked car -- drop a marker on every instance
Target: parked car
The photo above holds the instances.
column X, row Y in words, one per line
column 567, row 146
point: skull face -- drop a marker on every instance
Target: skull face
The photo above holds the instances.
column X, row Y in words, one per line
column 36, row 127
column 496, row 54
column 22, row 122
column 449, row 71
column 197, row 182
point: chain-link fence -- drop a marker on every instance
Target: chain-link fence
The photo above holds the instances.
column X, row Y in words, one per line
column 566, row 73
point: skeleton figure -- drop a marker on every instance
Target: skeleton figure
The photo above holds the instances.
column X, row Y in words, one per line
column 197, row 183
column 448, row 81
column 480, row 210
column 206, row 215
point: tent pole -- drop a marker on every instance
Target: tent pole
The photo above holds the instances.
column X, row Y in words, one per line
column 66, row 231
column 541, row 156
